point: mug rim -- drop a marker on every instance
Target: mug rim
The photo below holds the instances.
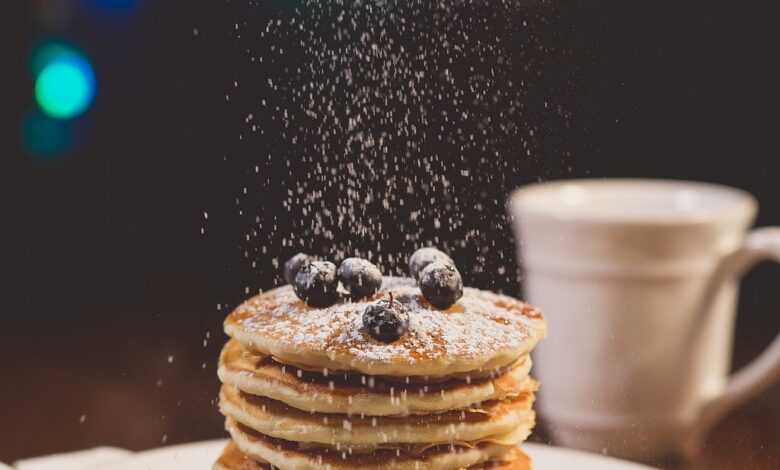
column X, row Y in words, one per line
column 739, row 204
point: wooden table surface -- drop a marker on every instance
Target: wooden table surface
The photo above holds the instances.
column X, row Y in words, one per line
column 140, row 383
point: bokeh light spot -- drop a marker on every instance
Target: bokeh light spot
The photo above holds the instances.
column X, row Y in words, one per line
column 47, row 52
column 65, row 87
column 44, row 138
column 114, row 5
column 117, row 3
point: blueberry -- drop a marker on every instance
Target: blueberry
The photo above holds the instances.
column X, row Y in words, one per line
column 293, row 265
column 386, row 321
column 425, row 256
column 441, row 284
column 359, row 277
column 316, row 283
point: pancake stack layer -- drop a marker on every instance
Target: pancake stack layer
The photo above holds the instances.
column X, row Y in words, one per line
column 310, row 388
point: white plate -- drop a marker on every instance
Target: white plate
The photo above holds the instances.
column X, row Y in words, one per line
column 74, row 460
column 200, row 456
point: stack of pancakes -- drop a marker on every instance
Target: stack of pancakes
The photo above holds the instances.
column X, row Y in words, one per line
column 310, row 388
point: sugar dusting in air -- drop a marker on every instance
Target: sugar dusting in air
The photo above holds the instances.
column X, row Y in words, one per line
column 374, row 127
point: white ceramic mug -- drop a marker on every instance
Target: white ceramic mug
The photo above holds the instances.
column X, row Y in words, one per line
column 638, row 282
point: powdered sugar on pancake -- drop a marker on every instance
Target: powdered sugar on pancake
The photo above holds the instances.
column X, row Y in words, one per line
column 480, row 325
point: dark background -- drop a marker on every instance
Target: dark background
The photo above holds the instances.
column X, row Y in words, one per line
column 114, row 296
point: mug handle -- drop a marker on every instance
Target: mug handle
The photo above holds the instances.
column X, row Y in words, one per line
column 760, row 245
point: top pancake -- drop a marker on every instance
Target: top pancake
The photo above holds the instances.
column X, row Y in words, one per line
column 481, row 332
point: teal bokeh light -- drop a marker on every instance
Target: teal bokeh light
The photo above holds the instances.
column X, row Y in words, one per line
column 46, row 139
column 48, row 51
column 65, row 83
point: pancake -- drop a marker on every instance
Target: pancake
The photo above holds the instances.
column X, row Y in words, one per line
column 276, row 419
column 260, row 375
column 287, row 455
column 514, row 438
column 481, row 332
column 514, row 460
column 233, row 459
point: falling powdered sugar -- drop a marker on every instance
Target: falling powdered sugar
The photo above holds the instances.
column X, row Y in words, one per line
column 373, row 127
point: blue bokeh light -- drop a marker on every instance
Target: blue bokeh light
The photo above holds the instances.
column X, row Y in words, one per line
column 113, row 5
